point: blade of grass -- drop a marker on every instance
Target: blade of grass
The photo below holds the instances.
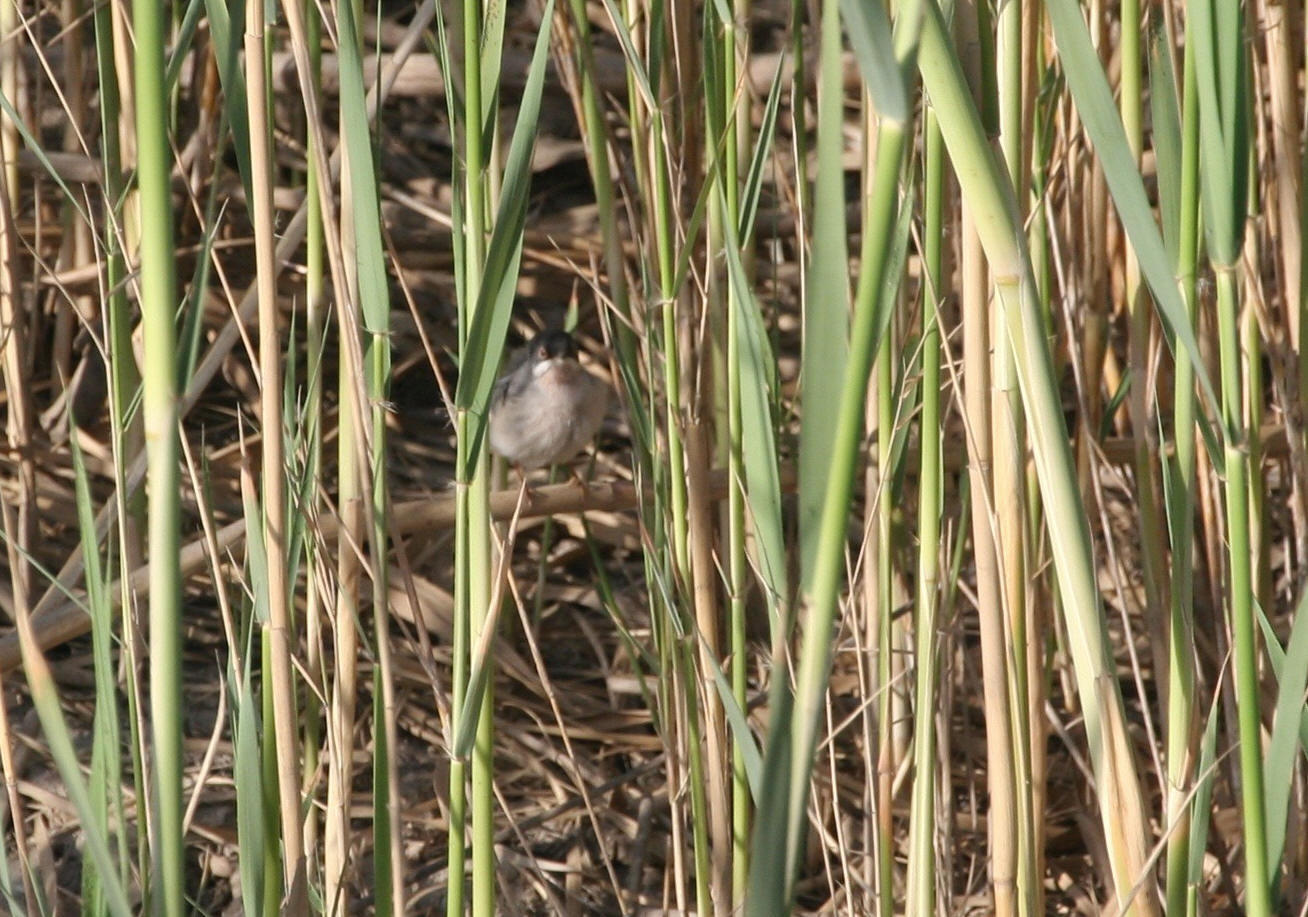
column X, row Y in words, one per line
column 1094, row 103
column 831, row 434
column 826, row 335
column 1289, row 731
column 227, row 55
column 106, row 769
column 45, row 698
column 490, row 318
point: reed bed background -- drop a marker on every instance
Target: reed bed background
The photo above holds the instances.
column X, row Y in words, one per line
column 942, row 552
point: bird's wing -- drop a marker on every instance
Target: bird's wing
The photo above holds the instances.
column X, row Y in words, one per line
column 512, row 381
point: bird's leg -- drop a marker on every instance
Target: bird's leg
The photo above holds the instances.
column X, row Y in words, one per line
column 528, row 491
column 574, row 476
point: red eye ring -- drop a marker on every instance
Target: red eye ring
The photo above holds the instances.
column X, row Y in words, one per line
column 543, row 353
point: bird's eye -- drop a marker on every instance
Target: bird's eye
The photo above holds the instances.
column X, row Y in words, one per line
column 543, row 353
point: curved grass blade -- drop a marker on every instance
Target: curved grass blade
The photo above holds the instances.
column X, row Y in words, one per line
column 1289, row 729
column 490, row 318
column 869, row 33
column 762, row 483
column 1094, row 103
column 826, row 312
column 45, row 698
column 227, row 55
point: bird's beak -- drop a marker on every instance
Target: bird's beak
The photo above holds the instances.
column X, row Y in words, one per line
column 544, row 366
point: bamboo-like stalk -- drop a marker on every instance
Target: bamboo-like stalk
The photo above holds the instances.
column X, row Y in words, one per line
column 482, row 306
column 343, row 690
column 1182, row 731
column 1033, row 749
column 9, row 63
column 984, row 185
column 76, row 248
column 280, row 630
column 666, row 139
column 472, row 539
column 712, row 416
column 19, row 414
column 1140, row 316
column 878, row 830
column 1300, row 306
column 924, row 826
column 479, row 575
column 1218, row 31
column 17, row 530
column 685, row 690
column 1020, row 502
column 726, row 108
column 1241, row 603
column 361, row 235
column 158, row 302
column 124, row 379
column 709, row 765
column 741, row 799
column 1010, row 444
column 17, row 820
column 1000, row 748
column 308, row 502
column 345, row 638
column 591, row 117
column 458, row 812
column 666, row 243
column 704, row 368
column 1275, row 22
column 736, row 104
column 649, row 153
column 1255, row 393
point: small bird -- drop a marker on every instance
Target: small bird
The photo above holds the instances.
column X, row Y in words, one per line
column 546, row 407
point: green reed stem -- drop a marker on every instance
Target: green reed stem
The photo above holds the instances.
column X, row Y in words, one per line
column 158, row 304
column 736, row 106
column 984, row 185
column 921, row 893
column 1258, row 899
column 1181, row 721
